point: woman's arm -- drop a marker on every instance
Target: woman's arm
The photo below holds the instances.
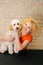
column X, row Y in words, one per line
column 20, row 45
column 7, row 38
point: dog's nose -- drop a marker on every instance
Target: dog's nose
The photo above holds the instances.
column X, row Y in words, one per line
column 17, row 28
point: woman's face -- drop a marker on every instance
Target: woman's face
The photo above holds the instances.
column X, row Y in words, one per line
column 28, row 27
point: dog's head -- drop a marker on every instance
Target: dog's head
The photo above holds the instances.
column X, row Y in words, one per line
column 15, row 25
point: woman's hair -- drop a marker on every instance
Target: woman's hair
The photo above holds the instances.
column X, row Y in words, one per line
column 34, row 24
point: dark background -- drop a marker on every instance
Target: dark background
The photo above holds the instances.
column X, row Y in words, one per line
column 30, row 57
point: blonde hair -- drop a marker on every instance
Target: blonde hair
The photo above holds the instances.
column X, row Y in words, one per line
column 34, row 24
column 10, row 27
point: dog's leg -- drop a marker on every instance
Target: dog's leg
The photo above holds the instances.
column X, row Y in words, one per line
column 10, row 48
column 3, row 48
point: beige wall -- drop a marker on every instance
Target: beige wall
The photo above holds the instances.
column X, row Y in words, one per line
column 11, row 9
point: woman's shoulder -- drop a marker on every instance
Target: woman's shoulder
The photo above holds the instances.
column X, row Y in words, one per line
column 26, row 37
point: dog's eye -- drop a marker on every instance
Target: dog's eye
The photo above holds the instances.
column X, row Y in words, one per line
column 17, row 23
column 14, row 24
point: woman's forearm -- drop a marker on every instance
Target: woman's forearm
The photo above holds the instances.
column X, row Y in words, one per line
column 17, row 41
column 20, row 45
column 6, row 38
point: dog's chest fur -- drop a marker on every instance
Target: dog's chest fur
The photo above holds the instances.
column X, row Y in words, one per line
column 11, row 34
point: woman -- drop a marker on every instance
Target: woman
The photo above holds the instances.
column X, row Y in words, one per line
column 29, row 27
column 25, row 38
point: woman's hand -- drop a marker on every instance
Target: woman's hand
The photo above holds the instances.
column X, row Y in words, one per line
column 6, row 38
column 10, row 39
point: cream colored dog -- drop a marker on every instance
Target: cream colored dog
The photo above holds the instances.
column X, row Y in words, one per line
column 8, row 45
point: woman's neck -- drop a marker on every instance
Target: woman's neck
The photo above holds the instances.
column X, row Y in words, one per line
column 24, row 32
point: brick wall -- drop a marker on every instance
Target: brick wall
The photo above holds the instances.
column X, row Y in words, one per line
column 11, row 9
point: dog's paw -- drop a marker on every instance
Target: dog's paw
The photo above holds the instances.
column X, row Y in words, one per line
column 16, row 51
column 10, row 52
column 2, row 51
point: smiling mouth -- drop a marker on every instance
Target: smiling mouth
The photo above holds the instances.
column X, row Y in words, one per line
column 25, row 30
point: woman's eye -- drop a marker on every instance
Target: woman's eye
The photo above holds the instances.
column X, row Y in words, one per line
column 29, row 27
column 17, row 23
column 14, row 24
column 26, row 24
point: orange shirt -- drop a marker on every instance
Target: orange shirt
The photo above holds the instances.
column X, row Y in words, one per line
column 26, row 37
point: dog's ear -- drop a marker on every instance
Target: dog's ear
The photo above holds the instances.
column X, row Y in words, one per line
column 11, row 28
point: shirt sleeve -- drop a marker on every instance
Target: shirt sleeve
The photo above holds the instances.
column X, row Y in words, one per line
column 26, row 37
